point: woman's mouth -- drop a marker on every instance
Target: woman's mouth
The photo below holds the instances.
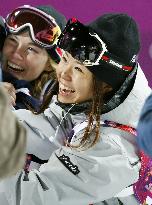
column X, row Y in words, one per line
column 13, row 67
column 65, row 90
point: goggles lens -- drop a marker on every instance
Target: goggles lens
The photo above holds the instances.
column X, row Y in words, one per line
column 43, row 28
column 80, row 43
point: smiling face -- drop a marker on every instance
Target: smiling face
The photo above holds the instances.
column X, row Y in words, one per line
column 22, row 58
column 75, row 81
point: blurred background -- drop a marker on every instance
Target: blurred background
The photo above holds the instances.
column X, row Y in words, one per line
column 87, row 10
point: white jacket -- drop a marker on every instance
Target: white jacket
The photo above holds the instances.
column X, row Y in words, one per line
column 73, row 177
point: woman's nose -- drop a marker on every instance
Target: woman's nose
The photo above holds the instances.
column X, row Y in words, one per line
column 66, row 73
column 18, row 53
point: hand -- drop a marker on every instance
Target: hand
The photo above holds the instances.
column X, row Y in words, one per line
column 10, row 90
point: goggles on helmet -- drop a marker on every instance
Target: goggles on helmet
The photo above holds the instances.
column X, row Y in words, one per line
column 43, row 28
column 86, row 46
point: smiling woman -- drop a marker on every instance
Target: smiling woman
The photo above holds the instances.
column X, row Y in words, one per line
column 29, row 53
column 24, row 59
column 85, row 139
column 70, row 73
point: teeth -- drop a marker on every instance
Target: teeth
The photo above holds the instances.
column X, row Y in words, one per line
column 14, row 66
column 65, row 88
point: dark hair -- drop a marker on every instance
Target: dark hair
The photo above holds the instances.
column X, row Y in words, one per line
column 92, row 131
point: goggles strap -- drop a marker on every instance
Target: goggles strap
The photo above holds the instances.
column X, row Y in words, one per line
column 108, row 58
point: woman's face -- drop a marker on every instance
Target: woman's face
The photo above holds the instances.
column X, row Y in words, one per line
column 22, row 58
column 75, row 80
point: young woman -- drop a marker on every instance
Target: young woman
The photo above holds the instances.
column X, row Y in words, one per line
column 88, row 129
column 29, row 52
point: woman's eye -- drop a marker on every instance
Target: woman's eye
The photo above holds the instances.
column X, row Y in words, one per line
column 30, row 49
column 64, row 59
column 78, row 69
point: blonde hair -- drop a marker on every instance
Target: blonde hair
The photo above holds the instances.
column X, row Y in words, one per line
column 38, row 84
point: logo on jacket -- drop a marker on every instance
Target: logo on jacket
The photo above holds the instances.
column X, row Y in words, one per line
column 68, row 164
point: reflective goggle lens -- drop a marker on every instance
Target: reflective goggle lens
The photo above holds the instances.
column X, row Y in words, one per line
column 77, row 40
column 44, row 30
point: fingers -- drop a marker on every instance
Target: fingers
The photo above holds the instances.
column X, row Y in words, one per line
column 10, row 90
column 8, row 86
column 12, row 100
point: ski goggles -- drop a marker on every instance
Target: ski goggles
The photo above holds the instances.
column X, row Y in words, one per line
column 86, row 46
column 43, row 28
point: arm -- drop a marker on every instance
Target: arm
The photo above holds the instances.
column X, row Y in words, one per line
column 39, row 130
column 12, row 139
column 10, row 91
column 144, row 129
